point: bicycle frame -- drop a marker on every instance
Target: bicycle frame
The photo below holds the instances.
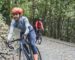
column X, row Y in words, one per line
column 21, row 43
column 25, row 48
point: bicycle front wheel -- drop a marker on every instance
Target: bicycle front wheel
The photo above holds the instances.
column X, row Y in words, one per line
column 39, row 55
column 22, row 55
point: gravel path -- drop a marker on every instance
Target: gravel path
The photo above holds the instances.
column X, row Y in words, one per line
column 56, row 50
column 52, row 49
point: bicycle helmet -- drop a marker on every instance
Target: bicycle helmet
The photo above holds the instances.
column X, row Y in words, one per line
column 17, row 10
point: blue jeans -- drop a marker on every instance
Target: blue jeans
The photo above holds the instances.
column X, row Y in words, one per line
column 32, row 38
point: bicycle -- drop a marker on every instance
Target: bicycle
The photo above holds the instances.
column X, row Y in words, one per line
column 24, row 51
column 38, row 37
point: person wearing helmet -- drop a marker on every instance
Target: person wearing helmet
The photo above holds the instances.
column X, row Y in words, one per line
column 38, row 27
column 21, row 22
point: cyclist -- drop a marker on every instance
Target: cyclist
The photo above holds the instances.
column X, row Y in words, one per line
column 21, row 22
column 39, row 26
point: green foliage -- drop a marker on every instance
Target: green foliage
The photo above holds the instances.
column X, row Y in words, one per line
column 58, row 15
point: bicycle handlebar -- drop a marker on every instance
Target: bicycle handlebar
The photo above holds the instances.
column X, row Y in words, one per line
column 15, row 40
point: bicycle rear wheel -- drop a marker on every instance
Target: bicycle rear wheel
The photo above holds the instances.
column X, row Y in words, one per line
column 39, row 40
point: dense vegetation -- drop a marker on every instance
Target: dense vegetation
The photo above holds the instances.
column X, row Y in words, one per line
column 58, row 15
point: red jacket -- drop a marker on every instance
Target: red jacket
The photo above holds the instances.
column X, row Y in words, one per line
column 39, row 25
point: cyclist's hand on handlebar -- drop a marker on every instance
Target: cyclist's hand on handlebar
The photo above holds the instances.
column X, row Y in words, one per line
column 9, row 45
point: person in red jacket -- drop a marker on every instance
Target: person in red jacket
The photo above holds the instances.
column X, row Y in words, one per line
column 38, row 27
